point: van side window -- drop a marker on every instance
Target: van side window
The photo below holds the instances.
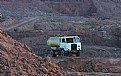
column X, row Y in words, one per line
column 63, row 40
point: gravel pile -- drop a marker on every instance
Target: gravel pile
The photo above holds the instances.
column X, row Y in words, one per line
column 17, row 59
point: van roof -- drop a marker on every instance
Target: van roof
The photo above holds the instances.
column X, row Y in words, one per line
column 65, row 37
column 69, row 36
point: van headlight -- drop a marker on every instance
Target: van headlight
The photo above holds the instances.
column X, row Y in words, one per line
column 79, row 46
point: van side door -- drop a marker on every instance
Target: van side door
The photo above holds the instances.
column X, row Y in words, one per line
column 63, row 43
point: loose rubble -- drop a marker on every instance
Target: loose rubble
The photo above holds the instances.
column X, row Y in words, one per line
column 16, row 59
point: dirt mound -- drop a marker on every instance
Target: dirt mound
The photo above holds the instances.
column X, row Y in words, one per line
column 91, row 66
column 17, row 59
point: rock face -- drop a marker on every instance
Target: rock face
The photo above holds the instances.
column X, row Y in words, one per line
column 17, row 59
column 98, row 8
column 73, row 8
column 108, row 8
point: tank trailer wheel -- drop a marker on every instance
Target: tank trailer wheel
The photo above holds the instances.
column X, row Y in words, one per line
column 52, row 52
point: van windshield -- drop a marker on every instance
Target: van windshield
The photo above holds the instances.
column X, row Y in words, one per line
column 69, row 40
column 73, row 40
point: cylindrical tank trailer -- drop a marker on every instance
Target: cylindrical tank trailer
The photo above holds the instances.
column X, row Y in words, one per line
column 54, row 41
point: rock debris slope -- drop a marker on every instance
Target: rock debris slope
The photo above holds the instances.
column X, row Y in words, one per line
column 17, row 59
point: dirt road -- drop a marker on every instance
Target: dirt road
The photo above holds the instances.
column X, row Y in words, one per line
column 21, row 24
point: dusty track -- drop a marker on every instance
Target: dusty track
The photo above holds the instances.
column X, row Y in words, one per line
column 21, row 24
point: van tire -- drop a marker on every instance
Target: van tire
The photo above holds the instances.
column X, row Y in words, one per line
column 62, row 53
column 78, row 54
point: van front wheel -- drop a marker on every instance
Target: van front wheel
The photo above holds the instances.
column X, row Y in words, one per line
column 78, row 53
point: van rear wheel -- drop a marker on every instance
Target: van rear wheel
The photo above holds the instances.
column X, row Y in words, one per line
column 62, row 53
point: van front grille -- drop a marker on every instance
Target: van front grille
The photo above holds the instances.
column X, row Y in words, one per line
column 73, row 46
